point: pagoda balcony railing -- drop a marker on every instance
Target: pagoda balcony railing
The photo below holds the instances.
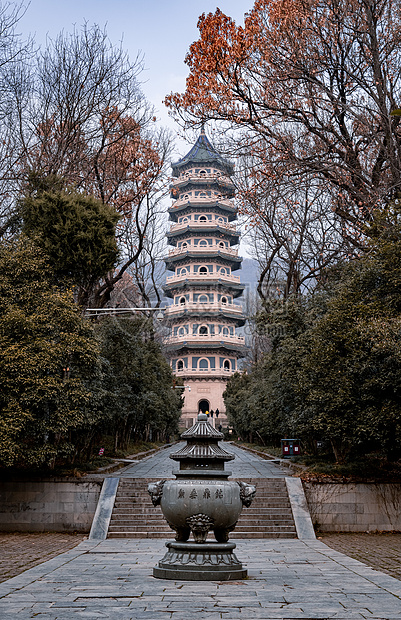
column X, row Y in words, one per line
column 202, row 249
column 194, row 201
column 202, row 307
column 207, row 176
column 202, row 277
column 205, row 225
column 205, row 339
column 222, row 372
column 204, row 175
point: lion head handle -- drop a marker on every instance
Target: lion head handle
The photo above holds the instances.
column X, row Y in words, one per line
column 246, row 493
column 155, row 490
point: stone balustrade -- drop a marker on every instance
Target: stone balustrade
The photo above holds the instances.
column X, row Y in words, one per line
column 202, row 249
column 204, row 339
column 202, row 307
column 204, row 277
column 206, row 225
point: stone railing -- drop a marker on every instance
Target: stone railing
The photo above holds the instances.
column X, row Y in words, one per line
column 208, row 176
column 202, row 249
column 206, row 225
column 222, row 372
column 205, row 339
column 206, row 307
column 202, row 201
column 201, row 277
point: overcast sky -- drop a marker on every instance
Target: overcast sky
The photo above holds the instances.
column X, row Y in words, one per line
column 162, row 30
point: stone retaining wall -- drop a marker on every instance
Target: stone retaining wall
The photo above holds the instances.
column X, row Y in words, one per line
column 48, row 505
column 69, row 505
column 358, row 507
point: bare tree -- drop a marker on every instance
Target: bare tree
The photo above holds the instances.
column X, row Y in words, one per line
column 88, row 122
column 311, row 91
column 294, row 233
column 15, row 57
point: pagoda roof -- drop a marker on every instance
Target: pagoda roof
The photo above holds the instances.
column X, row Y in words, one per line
column 203, row 152
column 193, row 207
column 234, row 261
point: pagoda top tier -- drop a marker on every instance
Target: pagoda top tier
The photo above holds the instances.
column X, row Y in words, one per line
column 203, row 153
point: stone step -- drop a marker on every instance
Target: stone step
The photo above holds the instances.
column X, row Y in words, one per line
column 168, row 533
column 130, row 514
column 260, row 490
column 233, row 535
column 134, row 515
column 258, row 506
column 255, row 517
column 155, row 527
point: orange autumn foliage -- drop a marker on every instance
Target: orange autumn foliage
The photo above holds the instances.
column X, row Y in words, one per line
column 118, row 166
column 311, row 84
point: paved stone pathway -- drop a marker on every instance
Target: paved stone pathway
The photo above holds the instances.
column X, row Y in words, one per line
column 20, row 550
column 380, row 551
column 287, row 579
column 245, row 465
column 113, row 579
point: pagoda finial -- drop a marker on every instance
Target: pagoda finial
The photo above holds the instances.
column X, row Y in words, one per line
column 203, row 128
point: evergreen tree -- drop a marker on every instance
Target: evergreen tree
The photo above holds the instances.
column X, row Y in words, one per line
column 48, row 362
column 77, row 232
column 139, row 401
column 335, row 372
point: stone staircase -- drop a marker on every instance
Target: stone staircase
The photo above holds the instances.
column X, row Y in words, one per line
column 269, row 516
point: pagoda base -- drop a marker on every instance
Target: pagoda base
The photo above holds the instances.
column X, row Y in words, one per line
column 190, row 561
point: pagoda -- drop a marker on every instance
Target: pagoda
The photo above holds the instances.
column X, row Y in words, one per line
column 203, row 345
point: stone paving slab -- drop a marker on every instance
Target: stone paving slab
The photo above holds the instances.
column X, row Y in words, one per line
column 245, row 465
column 21, row 550
column 286, row 579
column 380, row 551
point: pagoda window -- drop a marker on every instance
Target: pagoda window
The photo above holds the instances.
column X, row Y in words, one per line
column 203, row 243
column 203, row 299
column 202, row 173
column 183, row 301
column 226, row 331
column 223, row 300
column 203, row 218
column 227, row 365
column 203, row 364
column 181, row 331
column 184, row 244
column 223, row 271
column 180, row 365
column 221, row 244
column 182, row 271
column 186, row 197
column 203, row 330
column 203, row 270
